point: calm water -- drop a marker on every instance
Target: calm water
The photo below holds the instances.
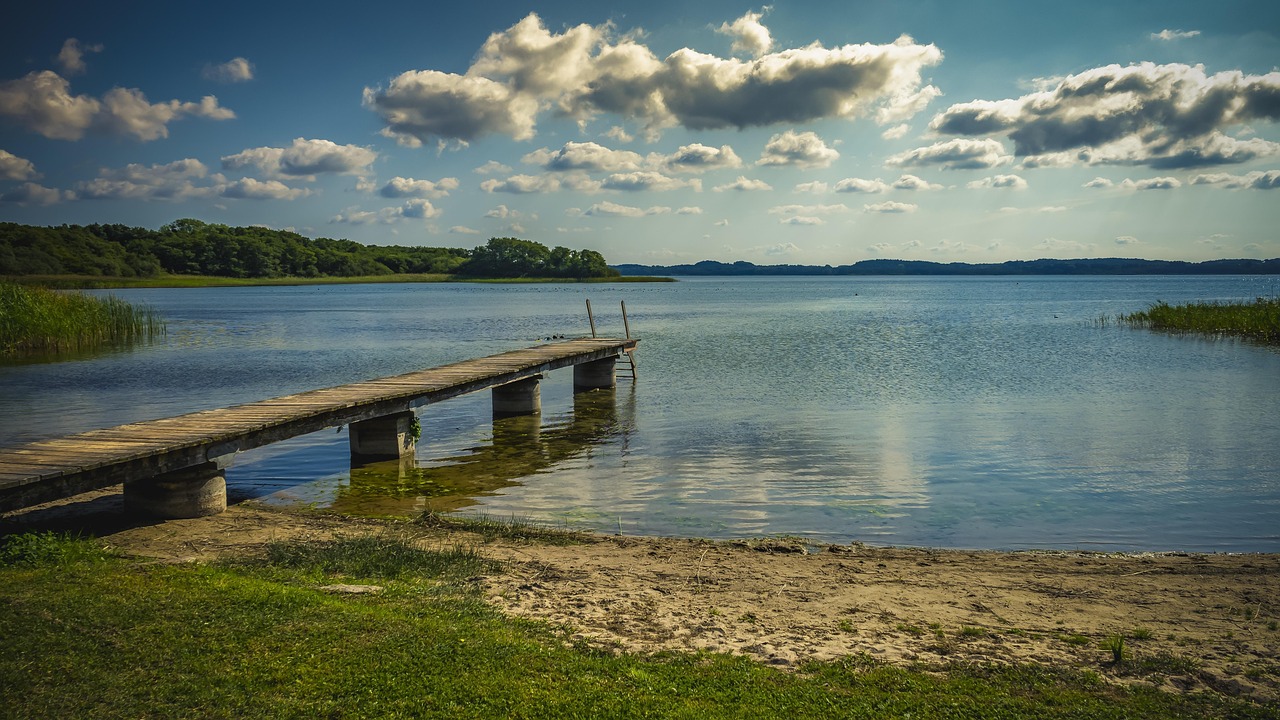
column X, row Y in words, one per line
column 966, row 412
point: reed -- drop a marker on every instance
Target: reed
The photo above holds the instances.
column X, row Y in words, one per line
column 1258, row 320
column 36, row 319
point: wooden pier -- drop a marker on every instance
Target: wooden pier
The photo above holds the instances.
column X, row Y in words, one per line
column 174, row 467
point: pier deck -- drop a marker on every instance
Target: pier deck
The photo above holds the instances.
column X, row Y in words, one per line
column 61, row 467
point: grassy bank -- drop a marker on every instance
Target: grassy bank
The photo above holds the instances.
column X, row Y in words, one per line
column 84, row 634
column 191, row 281
column 1258, row 320
column 35, row 319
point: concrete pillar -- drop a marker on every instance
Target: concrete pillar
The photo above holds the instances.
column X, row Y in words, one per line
column 382, row 438
column 188, row 493
column 522, row 397
column 595, row 374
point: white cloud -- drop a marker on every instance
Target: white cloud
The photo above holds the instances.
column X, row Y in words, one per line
column 42, row 103
column 234, row 70
column 689, row 210
column 895, row 132
column 619, row 133
column 585, row 71
column 463, row 230
column 610, row 209
column 743, row 184
column 782, row 249
column 493, row 167
column 401, row 187
column 749, row 36
column 648, row 181
column 502, row 212
column 809, row 209
column 522, row 184
column 1156, row 183
column 801, row 220
column 586, row 156
column 1066, row 246
column 1168, row 34
column 71, row 56
column 722, row 223
column 817, row 187
column 415, row 209
column 1099, row 182
column 1161, row 116
column 1257, row 180
column 890, row 207
column 804, row 149
column 169, row 181
column 911, row 182
column 956, row 154
column 254, row 189
column 859, row 185
column 1127, row 240
column 13, row 167
column 697, row 158
column 879, row 248
column 1012, row 182
column 30, row 193
column 304, row 159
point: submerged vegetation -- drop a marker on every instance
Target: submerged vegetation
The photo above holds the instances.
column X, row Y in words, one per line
column 34, row 319
column 381, row 627
column 1258, row 320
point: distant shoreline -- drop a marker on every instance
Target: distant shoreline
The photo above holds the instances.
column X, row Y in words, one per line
column 1090, row 266
column 98, row 282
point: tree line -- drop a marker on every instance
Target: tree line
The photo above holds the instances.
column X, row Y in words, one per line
column 192, row 247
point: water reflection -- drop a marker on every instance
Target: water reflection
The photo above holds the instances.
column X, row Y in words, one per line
column 517, row 448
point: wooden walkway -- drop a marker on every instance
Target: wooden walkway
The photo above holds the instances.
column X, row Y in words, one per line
column 61, row 467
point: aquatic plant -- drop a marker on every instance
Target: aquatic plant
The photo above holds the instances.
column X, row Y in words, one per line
column 1259, row 320
column 36, row 319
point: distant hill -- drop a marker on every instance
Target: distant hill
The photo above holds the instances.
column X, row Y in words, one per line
column 1092, row 266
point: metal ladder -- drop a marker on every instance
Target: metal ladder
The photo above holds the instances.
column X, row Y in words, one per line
column 628, row 356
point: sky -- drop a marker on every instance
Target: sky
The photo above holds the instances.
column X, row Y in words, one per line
column 660, row 132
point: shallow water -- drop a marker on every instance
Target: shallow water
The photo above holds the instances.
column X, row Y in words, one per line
column 959, row 412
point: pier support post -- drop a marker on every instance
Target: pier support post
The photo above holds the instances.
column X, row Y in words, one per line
column 594, row 375
column 382, row 438
column 522, row 397
column 188, row 493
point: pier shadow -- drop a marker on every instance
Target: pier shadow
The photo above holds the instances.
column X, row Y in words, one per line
column 520, row 447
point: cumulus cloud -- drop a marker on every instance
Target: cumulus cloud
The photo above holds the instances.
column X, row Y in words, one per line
column 402, row 187
column 13, row 167
column 1098, row 182
column 896, row 132
column 619, row 133
column 1163, row 116
column 1127, row 240
column 1257, row 180
column 587, row 156
column 743, row 184
column 493, row 167
column 859, row 185
column 254, row 189
column 1013, row 182
column 782, row 249
column 585, row 70
column 690, row 210
column 42, row 103
column 463, row 230
column 801, row 220
column 648, row 180
column 809, row 209
column 1168, row 34
column 522, row 184
column 170, row 181
column 303, row 159
column 817, row 187
column 29, row 193
column 911, row 182
column 71, row 56
column 749, row 36
column 955, row 154
column 890, row 207
column 1156, row 183
column 610, row 209
column 1065, row 246
column 415, row 209
column 880, row 247
column 697, row 158
column 234, row 70
column 804, row 149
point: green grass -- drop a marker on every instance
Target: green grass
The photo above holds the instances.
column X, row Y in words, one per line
column 1259, row 320
column 35, row 319
column 513, row 528
column 107, row 637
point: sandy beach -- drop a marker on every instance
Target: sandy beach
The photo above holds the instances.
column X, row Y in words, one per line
column 1193, row 622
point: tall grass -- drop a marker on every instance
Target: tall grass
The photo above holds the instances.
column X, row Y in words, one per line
column 35, row 319
column 1259, row 320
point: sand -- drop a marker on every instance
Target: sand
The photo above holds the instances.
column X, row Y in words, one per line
column 784, row 602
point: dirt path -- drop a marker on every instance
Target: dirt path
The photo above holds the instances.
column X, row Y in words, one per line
column 1197, row 622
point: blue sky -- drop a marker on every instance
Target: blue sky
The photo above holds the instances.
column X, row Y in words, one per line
column 660, row 132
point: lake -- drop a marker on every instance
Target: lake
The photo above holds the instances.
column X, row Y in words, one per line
column 963, row 412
